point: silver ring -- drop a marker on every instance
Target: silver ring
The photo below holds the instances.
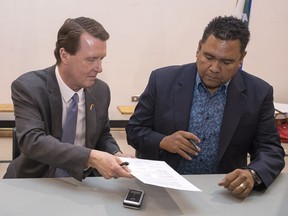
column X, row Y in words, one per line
column 242, row 186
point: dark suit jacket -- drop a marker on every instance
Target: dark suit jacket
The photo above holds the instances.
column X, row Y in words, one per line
column 38, row 116
column 247, row 127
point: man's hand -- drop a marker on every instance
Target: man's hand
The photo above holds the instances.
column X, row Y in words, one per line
column 108, row 165
column 240, row 182
column 120, row 154
column 179, row 143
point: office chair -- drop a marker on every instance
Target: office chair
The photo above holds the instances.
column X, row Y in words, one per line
column 15, row 147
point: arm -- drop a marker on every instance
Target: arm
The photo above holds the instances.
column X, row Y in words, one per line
column 163, row 111
column 140, row 129
column 39, row 131
column 266, row 152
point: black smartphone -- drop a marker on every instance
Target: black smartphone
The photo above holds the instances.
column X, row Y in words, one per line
column 133, row 198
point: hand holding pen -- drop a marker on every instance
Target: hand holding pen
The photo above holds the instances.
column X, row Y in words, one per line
column 184, row 143
column 195, row 146
column 124, row 163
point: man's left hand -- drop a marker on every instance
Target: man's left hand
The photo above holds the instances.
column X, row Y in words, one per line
column 240, row 182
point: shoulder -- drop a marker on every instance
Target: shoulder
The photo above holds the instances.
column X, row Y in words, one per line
column 175, row 69
column 175, row 72
column 33, row 85
column 36, row 77
column 252, row 86
column 99, row 84
column 253, row 81
column 99, row 89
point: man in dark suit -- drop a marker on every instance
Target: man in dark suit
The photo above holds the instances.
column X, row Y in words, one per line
column 226, row 112
column 42, row 99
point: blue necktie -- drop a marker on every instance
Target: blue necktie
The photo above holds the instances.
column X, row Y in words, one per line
column 69, row 129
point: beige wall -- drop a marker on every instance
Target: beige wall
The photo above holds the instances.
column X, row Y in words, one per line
column 145, row 34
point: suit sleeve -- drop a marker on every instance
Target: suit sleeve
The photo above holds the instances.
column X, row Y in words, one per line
column 267, row 154
column 140, row 129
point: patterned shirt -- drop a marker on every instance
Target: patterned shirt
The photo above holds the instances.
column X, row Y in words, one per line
column 205, row 122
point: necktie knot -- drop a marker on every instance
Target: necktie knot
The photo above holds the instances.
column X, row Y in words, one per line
column 75, row 98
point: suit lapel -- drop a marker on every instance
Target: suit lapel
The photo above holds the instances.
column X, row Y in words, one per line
column 236, row 101
column 91, row 120
column 183, row 98
column 55, row 103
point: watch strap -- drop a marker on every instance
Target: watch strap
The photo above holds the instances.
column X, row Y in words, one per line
column 256, row 177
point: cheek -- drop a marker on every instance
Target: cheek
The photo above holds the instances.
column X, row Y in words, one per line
column 228, row 74
column 82, row 69
column 202, row 65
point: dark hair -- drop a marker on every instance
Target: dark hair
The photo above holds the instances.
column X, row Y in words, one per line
column 228, row 28
column 69, row 34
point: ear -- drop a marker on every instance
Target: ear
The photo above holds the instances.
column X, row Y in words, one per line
column 64, row 55
column 244, row 54
column 199, row 47
column 242, row 58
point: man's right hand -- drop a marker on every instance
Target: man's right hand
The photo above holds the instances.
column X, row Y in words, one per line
column 179, row 143
column 108, row 165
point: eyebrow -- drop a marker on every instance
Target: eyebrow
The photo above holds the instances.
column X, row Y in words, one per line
column 222, row 59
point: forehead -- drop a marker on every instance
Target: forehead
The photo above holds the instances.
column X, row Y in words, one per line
column 89, row 43
column 87, row 39
column 215, row 46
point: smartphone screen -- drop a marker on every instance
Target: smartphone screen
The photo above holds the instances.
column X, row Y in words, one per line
column 133, row 198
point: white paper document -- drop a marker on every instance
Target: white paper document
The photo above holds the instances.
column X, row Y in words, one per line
column 282, row 107
column 158, row 173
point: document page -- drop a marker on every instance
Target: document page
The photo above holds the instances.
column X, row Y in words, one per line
column 282, row 107
column 158, row 173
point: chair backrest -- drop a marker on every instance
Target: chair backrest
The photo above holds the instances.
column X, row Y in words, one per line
column 15, row 148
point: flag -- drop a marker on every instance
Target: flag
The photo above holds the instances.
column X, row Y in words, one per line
column 242, row 10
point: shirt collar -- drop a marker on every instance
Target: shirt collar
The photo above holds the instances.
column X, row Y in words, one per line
column 65, row 90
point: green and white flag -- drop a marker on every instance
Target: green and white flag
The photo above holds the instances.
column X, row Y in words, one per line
column 242, row 10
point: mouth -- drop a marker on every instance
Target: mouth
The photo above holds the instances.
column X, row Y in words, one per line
column 212, row 78
column 92, row 76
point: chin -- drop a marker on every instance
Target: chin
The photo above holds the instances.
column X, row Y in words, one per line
column 89, row 84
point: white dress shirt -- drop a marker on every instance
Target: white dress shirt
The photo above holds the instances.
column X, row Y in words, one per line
column 66, row 94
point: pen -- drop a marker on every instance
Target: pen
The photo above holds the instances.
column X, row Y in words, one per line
column 124, row 163
column 194, row 144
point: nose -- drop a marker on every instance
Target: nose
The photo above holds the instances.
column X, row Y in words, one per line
column 98, row 66
column 215, row 66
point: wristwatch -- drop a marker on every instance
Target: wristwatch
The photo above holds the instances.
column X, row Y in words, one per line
column 256, row 177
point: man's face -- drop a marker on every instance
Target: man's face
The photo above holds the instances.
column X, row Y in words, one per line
column 218, row 61
column 82, row 68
